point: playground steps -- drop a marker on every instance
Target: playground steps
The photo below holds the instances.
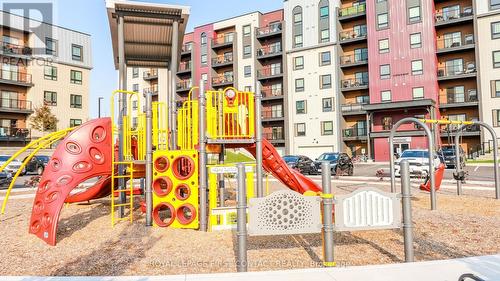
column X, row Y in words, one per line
column 116, row 192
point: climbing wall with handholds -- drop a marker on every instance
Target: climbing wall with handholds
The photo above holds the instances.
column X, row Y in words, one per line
column 85, row 153
column 175, row 189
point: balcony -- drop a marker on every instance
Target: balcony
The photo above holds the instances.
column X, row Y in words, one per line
column 15, row 106
column 222, row 60
column 184, row 67
column 353, row 84
column 269, row 31
column 353, row 35
column 352, row 109
column 150, row 74
column 223, row 80
column 269, row 51
column 354, row 60
column 275, row 137
column 354, row 134
column 454, row 16
column 152, row 90
column 460, row 99
column 455, row 44
column 184, row 85
column 268, row 93
column 270, row 72
column 272, row 115
column 9, row 49
column 11, row 134
column 222, row 41
column 15, row 78
column 352, row 12
column 457, row 71
column 451, row 131
column 187, row 49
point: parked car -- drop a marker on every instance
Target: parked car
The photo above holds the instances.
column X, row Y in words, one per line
column 36, row 164
column 419, row 161
column 337, row 160
column 447, row 152
column 301, row 163
column 12, row 167
column 5, row 178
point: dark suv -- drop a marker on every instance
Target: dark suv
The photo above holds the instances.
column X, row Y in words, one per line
column 36, row 164
column 338, row 161
column 301, row 163
column 447, row 153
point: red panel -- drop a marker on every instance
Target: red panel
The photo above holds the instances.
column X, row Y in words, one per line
column 198, row 69
column 273, row 16
column 382, row 146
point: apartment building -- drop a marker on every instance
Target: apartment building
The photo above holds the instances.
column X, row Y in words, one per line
column 312, row 77
column 51, row 67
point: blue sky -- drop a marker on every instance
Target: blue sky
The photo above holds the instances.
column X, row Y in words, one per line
column 89, row 16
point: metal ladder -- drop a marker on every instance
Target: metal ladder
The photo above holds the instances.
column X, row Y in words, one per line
column 130, row 176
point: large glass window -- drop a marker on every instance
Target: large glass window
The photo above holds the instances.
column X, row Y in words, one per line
column 495, row 30
column 495, row 88
column 416, row 40
column 496, row 59
column 452, row 39
column 300, row 107
column 418, row 93
column 324, row 12
column 75, row 122
column 327, row 128
column 385, row 96
column 299, row 85
column 50, row 73
column 247, row 30
column 496, row 118
column 300, row 129
column 455, row 94
column 76, row 77
column 50, row 98
column 417, row 67
column 454, row 67
column 298, row 63
column 77, row 52
column 50, row 47
column 495, row 4
column 383, row 20
column 325, row 58
column 383, row 46
column 75, row 101
column 298, row 41
column 326, row 81
column 414, row 14
column 385, row 71
column 327, row 104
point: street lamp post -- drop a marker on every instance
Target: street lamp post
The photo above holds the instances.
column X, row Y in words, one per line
column 99, row 106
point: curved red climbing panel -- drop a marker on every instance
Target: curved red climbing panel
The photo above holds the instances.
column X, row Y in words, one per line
column 83, row 154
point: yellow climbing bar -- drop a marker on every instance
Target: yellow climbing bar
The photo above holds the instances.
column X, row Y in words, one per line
column 446, row 122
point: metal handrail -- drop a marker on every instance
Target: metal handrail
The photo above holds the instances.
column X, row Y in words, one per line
column 455, row 42
column 17, row 76
column 9, row 48
column 352, row 34
column 270, row 29
column 15, row 104
column 353, row 82
column 270, row 71
column 457, row 69
column 454, row 14
column 353, row 10
column 354, row 58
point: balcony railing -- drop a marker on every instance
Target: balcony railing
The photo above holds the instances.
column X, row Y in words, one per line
column 453, row 97
column 188, row 47
column 150, row 74
column 269, row 92
column 352, row 107
column 269, row 50
column 223, row 39
column 15, row 134
column 15, row 76
column 276, row 136
column 15, row 104
column 269, row 71
column 453, row 14
column 272, row 114
column 353, row 10
column 223, row 79
column 151, row 90
column 354, row 132
column 455, row 42
column 13, row 49
column 184, row 84
column 222, row 59
column 353, row 83
column 457, row 70
column 185, row 66
column 353, row 34
column 356, row 58
column 269, row 30
column 453, row 128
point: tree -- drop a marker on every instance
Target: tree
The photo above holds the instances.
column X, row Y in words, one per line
column 43, row 119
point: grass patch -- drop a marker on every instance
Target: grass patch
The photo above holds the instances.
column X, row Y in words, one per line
column 480, row 161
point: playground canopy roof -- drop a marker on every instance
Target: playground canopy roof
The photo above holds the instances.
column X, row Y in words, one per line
column 148, row 31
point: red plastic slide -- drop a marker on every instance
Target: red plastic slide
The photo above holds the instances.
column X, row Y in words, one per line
column 438, row 176
column 85, row 153
column 272, row 162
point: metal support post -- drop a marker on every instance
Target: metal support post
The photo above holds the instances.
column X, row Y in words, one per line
column 203, row 158
column 149, row 159
column 122, row 104
column 258, row 140
column 222, row 195
column 407, row 221
column 173, row 68
column 328, row 253
column 241, row 263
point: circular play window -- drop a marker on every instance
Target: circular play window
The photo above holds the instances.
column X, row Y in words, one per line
column 182, row 192
column 186, row 214
column 161, row 164
column 162, row 186
column 163, row 214
column 183, row 167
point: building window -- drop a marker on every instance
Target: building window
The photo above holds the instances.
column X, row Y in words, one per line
column 383, row 21
column 418, row 93
column 383, row 46
column 324, row 11
column 414, row 14
column 204, row 60
column 327, row 128
column 298, row 63
column 325, row 81
column 299, row 85
column 248, row 88
column 387, row 123
column 325, row 35
column 203, row 38
column 248, row 70
column 385, row 71
column 204, row 77
column 297, row 27
column 77, row 52
column 50, row 47
column 417, row 67
column 300, row 107
column 495, row 30
column 247, row 51
column 385, row 96
column 300, row 129
column 496, row 118
column 135, row 105
column 75, row 101
column 135, row 88
column 135, row 72
column 75, row 122
column 50, row 98
column 76, row 77
column 363, row 99
column 325, row 58
column 495, row 88
column 247, row 30
column 50, row 73
column 416, row 40
column 327, row 104
column 496, row 59
column 298, row 41
column 494, row 4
